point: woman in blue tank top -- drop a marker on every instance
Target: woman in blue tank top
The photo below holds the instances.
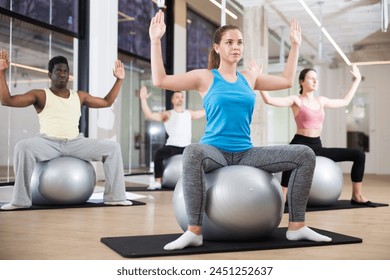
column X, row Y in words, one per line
column 228, row 100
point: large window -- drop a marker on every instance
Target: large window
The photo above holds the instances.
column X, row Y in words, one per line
column 200, row 33
column 61, row 14
column 30, row 48
column 140, row 138
column 133, row 27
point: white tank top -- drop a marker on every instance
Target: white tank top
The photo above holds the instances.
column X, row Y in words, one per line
column 60, row 116
column 179, row 129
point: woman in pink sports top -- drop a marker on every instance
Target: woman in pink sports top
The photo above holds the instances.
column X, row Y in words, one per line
column 309, row 115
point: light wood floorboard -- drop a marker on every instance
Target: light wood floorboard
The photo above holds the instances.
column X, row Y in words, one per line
column 74, row 234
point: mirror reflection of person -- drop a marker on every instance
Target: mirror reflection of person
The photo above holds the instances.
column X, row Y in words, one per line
column 59, row 111
column 178, row 126
column 309, row 115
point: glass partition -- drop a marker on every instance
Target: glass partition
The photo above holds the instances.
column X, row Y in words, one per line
column 133, row 27
column 60, row 14
column 358, row 122
column 200, row 33
column 281, row 123
column 30, row 47
column 139, row 138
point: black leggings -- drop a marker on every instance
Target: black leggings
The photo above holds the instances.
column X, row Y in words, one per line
column 162, row 154
column 336, row 154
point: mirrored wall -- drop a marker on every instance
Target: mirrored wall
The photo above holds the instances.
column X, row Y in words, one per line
column 139, row 138
column 30, row 47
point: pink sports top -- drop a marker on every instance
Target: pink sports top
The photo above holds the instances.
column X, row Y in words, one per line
column 309, row 118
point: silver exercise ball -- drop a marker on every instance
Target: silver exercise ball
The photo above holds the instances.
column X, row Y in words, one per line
column 62, row 181
column 173, row 168
column 242, row 203
column 327, row 183
column 278, row 176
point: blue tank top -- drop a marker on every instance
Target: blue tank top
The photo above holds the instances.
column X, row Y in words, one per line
column 229, row 108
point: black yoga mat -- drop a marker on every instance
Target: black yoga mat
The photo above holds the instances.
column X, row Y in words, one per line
column 137, row 187
column 152, row 245
column 145, row 189
column 84, row 205
column 340, row 204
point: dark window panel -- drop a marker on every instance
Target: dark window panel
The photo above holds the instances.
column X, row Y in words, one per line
column 133, row 34
column 200, row 34
column 64, row 12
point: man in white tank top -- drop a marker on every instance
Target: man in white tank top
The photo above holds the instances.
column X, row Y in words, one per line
column 177, row 123
column 59, row 111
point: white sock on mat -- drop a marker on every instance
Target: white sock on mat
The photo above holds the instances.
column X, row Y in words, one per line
column 10, row 206
column 306, row 233
column 188, row 239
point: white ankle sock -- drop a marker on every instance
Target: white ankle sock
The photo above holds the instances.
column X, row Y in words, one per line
column 120, row 203
column 186, row 240
column 10, row 206
column 154, row 185
column 306, row 233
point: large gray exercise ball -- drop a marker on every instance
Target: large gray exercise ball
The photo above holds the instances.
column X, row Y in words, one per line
column 278, row 176
column 327, row 183
column 242, row 203
column 62, row 181
column 173, row 168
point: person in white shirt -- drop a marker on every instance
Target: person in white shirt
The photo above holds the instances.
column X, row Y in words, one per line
column 177, row 123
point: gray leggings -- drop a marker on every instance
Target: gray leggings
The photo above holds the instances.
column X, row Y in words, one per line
column 199, row 159
column 42, row 148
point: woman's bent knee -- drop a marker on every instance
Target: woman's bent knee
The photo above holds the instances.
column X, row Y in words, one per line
column 306, row 154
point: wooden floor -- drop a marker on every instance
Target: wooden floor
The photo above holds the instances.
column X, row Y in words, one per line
column 74, row 234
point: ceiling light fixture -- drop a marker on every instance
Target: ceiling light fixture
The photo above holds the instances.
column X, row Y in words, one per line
column 323, row 30
column 160, row 4
column 307, row 9
column 40, row 70
column 29, row 67
column 125, row 17
column 341, row 53
column 372, row 62
column 230, row 13
column 384, row 15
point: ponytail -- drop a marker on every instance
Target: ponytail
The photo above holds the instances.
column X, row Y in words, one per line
column 213, row 59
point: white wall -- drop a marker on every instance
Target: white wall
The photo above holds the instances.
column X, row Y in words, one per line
column 103, row 123
column 377, row 77
column 376, row 80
